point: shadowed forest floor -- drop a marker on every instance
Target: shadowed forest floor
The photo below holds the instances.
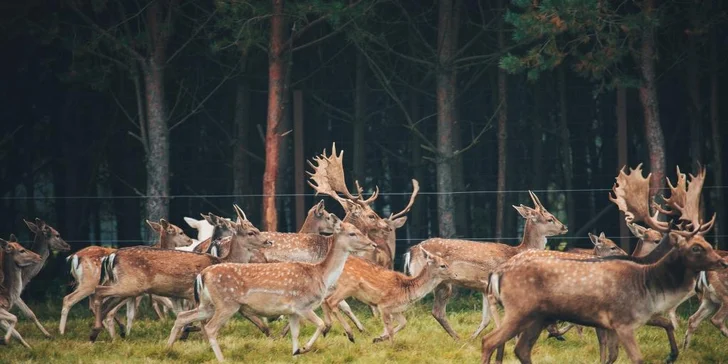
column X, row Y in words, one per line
column 422, row 341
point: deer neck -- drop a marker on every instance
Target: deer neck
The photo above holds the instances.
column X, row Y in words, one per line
column 40, row 247
column 532, row 239
column 238, row 253
column 12, row 283
column 308, row 226
column 333, row 264
column 669, row 277
column 414, row 288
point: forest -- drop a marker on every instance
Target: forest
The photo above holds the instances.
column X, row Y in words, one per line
column 117, row 111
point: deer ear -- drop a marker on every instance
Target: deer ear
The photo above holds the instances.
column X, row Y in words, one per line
column 602, row 236
column 40, row 222
column 399, row 222
column 594, row 239
column 337, row 226
column 13, row 238
column 3, row 244
column 164, row 223
column 319, row 208
column 525, row 211
column 192, row 222
column 208, row 218
column 155, row 226
column 637, row 230
column 32, row 226
column 428, row 256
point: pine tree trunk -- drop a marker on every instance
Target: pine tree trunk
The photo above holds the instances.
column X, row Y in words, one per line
column 417, row 221
column 696, row 108
column 648, row 98
column 717, row 164
column 622, row 143
column 537, row 138
column 277, row 89
column 360, row 102
column 502, row 133
column 241, row 126
column 445, row 119
column 567, row 160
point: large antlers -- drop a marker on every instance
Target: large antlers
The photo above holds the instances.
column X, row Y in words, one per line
column 328, row 178
column 415, row 190
column 685, row 201
column 632, row 196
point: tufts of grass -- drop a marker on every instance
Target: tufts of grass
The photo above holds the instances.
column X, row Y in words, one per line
column 422, row 341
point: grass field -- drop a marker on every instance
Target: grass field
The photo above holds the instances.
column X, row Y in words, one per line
column 422, row 341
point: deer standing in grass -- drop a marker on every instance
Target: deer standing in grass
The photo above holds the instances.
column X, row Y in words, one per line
column 170, row 273
column 712, row 288
column 390, row 292
column 46, row 239
column 292, row 288
column 536, row 291
column 474, row 261
column 14, row 258
column 86, row 269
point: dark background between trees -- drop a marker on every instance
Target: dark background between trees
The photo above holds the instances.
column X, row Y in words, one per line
column 116, row 111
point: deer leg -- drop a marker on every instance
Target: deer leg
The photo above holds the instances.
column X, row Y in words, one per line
column 15, row 333
column 344, row 307
column 81, row 292
column 387, row 323
column 285, row 330
column 401, row 322
column 527, row 340
column 443, row 292
column 201, row 313
column 626, row 337
column 11, row 321
column 294, row 322
column 260, row 324
column 608, row 345
column 102, row 310
column 509, row 328
column 342, row 321
column 558, row 333
column 485, row 318
column 222, row 314
column 661, row 321
column 27, row 312
column 707, row 307
column 719, row 319
column 112, row 318
column 311, row 316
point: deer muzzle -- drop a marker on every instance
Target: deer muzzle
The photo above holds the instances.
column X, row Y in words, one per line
column 723, row 263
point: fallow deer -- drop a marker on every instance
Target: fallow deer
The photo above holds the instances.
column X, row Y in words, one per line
column 474, row 261
column 46, row 239
column 712, row 287
column 14, row 258
column 293, row 288
column 171, row 273
column 86, row 268
column 390, row 292
column 536, row 291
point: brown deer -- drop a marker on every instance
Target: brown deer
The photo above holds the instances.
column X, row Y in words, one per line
column 318, row 220
column 328, row 179
column 536, row 291
column 712, row 288
column 474, row 261
column 131, row 272
column 14, row 258
column 292, row 288
column 46, row 239
column 86, row 268
column 390, row 292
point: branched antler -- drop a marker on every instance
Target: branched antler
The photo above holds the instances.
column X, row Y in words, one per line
column 328, row 178
column 632, row 196
column 416, row 189
column 685, row 201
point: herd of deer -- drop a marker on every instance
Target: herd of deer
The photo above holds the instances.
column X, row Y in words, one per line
column 233, row 267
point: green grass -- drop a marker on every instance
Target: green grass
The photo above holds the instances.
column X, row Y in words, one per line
column 422, row 341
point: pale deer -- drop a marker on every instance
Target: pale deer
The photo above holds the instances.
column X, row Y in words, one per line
column 170, row 273
column 293, row 288
column 536, row 291
column 328, row 179
column 46, row 239
column 474, row 261
column 712, row 287
column 390, row 292
column 86, row 269
column 14, row 258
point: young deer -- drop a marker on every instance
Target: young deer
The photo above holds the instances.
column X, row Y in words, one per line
column 171, row 273
column 328, row 179
column 603, row 247
column 294, row 289
column 14, row 258
column 390, row 292
column 86, row 269
column 46, row 239
column 474, row 261
column 534, row 291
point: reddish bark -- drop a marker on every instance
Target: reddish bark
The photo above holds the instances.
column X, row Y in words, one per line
column 502, row 133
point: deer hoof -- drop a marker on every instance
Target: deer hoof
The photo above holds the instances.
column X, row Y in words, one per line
column 192, row 328
column 671, row 358
column 379, row 339
column 350, row 336
column 297, row 352
column 94, row 334
column 326, row 330
column 2, row 341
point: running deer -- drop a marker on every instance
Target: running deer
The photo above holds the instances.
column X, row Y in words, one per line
column 294, row 289
column 86, row 269
column 536, row 291
column 205, row 230
column 14, row 258
column 46, row 239
column 131, row 272
column 712, row 288
column 390, row 292
column 328, row 179
column 474, row 261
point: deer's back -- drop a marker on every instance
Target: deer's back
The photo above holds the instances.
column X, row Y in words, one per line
column 295, row 247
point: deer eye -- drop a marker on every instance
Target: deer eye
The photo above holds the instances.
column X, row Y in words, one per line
column 443, row 266
column 251, row 233
column 696, row 249
column 613, row 248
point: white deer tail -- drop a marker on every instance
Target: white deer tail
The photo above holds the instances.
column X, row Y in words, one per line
column 407, row 257
column 493, row 288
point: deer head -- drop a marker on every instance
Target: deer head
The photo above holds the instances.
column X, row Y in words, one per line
column 438, row 266
column 21, row 256
column 222, row 227
column 245, row 233
column 544, row 223
column 351, row 239
column 320, row 221
column 48, row 234
column 605, row 247
column 170, row 235
column 698, row 254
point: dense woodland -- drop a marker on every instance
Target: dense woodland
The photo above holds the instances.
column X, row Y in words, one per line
column 117, row 111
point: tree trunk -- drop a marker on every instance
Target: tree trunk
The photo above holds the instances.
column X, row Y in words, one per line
column 417, row 221
column 648, row 98
column 241, row 130
column 277, row 89
column 360, row 102
column 567, row 159
column 717, row 165
column 445, row 118
column 537, row 138
column 693, row 83
column 502, row 132
column 622, row 142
